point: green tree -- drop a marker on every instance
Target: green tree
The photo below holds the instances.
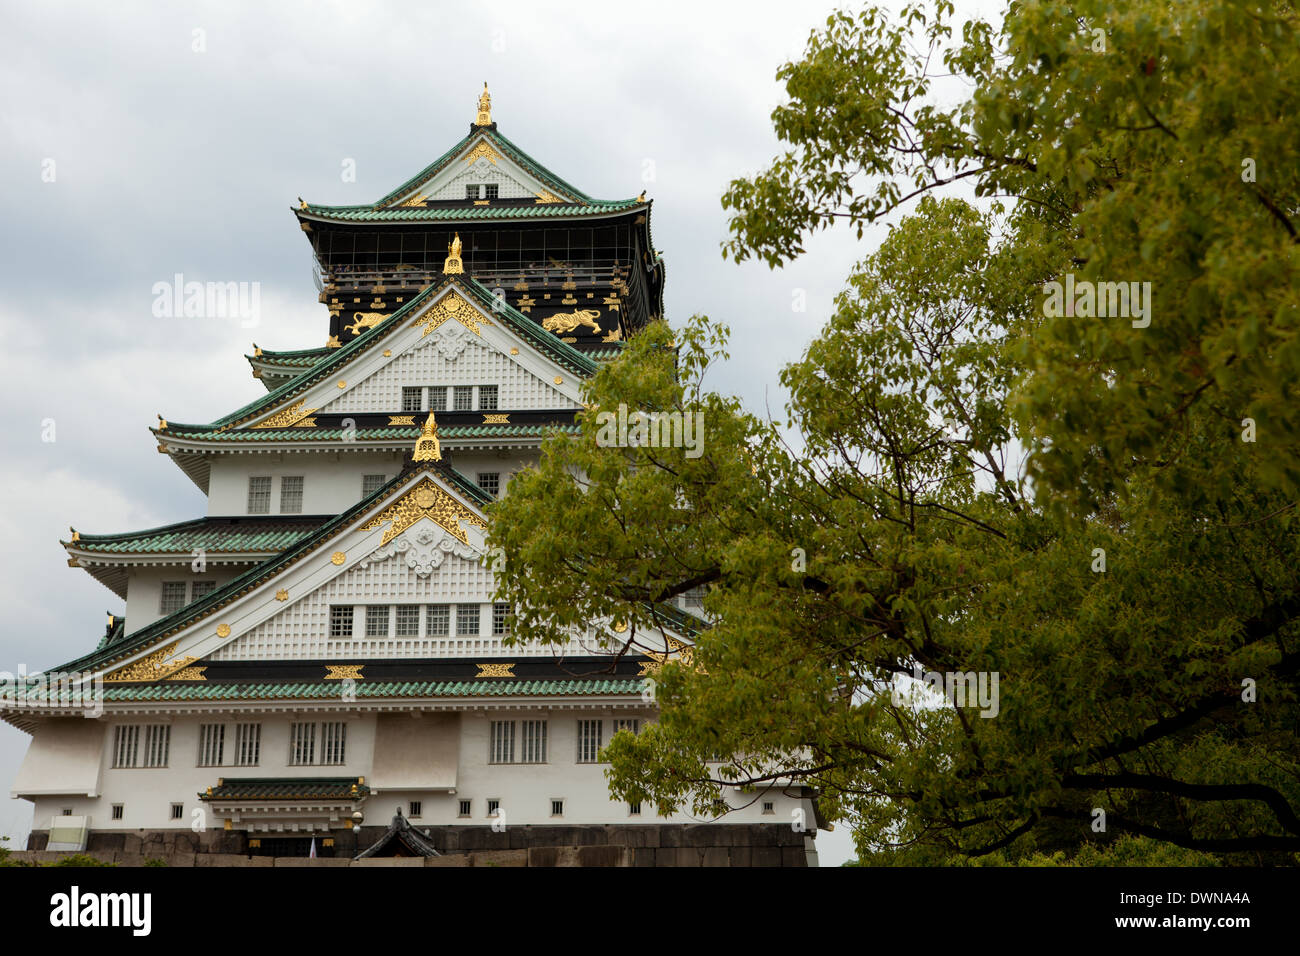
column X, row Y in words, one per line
column 976, row 485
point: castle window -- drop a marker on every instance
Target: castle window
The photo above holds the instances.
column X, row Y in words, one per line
column 172, row 598
column 464, row 808
column 487, row 397
column 439, row 620
column 117, row 811
column 341, row 620
column 501, row 742
column 467, row 620
column 437, row 398
column 464, row 398
column 493, row 807
column 202, row 589
column 490, row 481
column 411, row 398
column 377, row 620
column 634, row 809
column 589, row 740
column 629, row 723
column 178, row 811
column 259, row 495
column 212, row 744
column 492, row 190
column 248, row 745
column 302, row 744
column 157, row 740
column 408, row 620
column 291, row 495
column 413, row 808
column 534, row 742
column 333, row 738
column 500, row 618
column 471, row 192
column 557, row 808
column 769, row 806
column 371, row 483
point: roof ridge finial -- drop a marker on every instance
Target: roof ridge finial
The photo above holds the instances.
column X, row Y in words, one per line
column 484, row 117
column 427, row 447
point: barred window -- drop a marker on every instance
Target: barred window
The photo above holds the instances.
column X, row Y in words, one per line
column 201, row 589
column 490, row 481
column 157, row 741
column 302, row 744
column 437, row 399
column 627, row 723
column 173, row 597
column 411, row 399
column 493, row 190
column 341, row 620
column 471, row 191
column 413, row 808
column 178, row 811
column 248, row 745
column 377, row 620
column 589, row 740
column 493, row 807
column 500, row 618
column 408, row 620
column 126, row 745
column 465, row 807
column 439, row 620
column 557, row 808
column 634, row 809
column 117, row 811
column 370, row 484
column 501, row 742
column 259, row 495
column 534, row 742
column 487, row 397
column 769, row 806
column 212, row 744
column 291, row 495
column 466, row 620
column 463, row 396
column 333, row 740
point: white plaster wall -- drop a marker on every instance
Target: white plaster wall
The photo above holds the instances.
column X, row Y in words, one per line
column 331, row 485
column 144, row 588
column 525, row 790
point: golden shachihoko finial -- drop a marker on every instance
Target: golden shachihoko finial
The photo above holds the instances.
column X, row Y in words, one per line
column 484, row 117
column 427, row 448
column 452, row 264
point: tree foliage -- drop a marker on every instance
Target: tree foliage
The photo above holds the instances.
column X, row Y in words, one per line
column 975, row 484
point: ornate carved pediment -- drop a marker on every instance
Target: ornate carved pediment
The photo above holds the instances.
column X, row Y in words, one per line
column 426, row 500
column 423, row 551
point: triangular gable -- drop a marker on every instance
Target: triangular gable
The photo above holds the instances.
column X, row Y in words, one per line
column 491, row 320
column 432, row 497
column 481, row 159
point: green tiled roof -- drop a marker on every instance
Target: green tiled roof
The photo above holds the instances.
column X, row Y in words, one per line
column 561, row 352
column 287, row 788
column 302, row 358
column 549, row 210
column 330, row 690
column 397, row 432
column 209, row 534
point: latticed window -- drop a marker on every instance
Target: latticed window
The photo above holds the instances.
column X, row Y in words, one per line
column 291, row 495
column 408, row 620
column 302, row 744
column 377, row 620
column 487, row 397
column 333, row 741
column 463, row 395
column 439, row 621
column 589, row 740
column 212, row 744
column 471, row 192
column 500, row 618
column 534, row 742
column 628, row 723
column 490, row 481
column 695, row 597
column 341, row 620
column 259, row 495
column 173, row 597
column 466, row 620
column 501, row 742
column 248, row 745
column 201, row 589
column 437, row 399
column 492, row 190
column 370, row 484
column 126, row 745
column 411, row 398
column 157, row 741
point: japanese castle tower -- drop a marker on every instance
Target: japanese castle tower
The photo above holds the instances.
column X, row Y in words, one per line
column 321, row 650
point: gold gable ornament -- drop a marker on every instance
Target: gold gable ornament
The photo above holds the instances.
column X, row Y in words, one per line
column 484, row 117
column 452, row 265
column 427, row 447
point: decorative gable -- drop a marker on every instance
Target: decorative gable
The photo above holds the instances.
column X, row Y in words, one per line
column 479, row 163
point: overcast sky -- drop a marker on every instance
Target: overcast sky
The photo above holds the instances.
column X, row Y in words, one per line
column 167, row 159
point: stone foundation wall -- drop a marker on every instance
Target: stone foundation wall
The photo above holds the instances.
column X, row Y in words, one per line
column 647, row 845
